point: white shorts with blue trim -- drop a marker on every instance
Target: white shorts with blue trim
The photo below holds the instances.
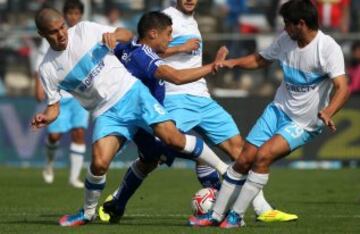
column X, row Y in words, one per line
column 274, row 121
column 201, row 114
column 72, row 115
column 136, row 109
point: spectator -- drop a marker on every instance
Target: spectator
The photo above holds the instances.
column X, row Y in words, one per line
column 334, row 15
column 354, row 69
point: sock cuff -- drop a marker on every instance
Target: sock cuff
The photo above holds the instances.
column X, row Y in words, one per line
column 204, row 170
column 233, row 177
column 193, row 145
column 77, row 148
column 51, row 145
column 136, row 170
column 258, row 178
column 94, row 182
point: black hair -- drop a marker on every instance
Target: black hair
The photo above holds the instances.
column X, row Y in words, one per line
column 73, row 4
column 295, row 10
column 153, row 20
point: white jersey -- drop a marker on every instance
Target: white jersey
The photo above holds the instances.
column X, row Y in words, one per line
column 184, row 28
column 86, row 69
column 308, row 71
column 44, row 46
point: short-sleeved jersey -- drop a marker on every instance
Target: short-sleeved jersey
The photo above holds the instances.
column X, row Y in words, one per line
column 308, row 71
column 184, row 28
column 142, row 62
column 86, row 69
column 44, row 46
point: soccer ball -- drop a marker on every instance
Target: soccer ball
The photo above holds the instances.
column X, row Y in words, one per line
column 203, row 200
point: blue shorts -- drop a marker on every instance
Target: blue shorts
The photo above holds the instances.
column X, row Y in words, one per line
column 203, row 115
column 72, row 115
column 136, row 109
column 274, row 121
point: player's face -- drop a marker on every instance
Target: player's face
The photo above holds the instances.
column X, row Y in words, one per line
column 163, row 39
column 186, row 6
column 56, row 34
column 72, row 17
column 292, row 30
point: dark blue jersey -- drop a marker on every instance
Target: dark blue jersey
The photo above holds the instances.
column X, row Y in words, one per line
column 141, row 61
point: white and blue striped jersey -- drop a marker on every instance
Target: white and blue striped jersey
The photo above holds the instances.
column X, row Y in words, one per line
column 184, row 28
column 86, row 69
column 306, row 87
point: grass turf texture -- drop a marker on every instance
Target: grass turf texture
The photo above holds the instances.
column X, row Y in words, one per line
column 326, row 202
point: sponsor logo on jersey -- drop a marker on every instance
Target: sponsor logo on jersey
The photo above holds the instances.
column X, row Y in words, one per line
column 87, row 82
column 300, row 88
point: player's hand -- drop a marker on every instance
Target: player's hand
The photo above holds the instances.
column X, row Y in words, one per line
column 325, row 117
column 109, row 40
column 190, row 45
column 39, row 121
column 221, row 54
column 221, row 64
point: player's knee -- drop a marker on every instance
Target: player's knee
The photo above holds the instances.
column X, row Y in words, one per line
column 78, row 135
column 54, row 137
column 243, row 164
column 99, row 166
column 236, row 146
column 263, row 159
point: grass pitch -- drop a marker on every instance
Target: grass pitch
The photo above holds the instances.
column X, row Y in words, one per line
column 326, row 202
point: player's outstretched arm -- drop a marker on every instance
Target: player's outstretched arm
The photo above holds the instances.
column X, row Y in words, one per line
column 119, row 35
column 249, row 62
column 337, row 101
column 183, row 76
column 51, row 112
column 187, row 47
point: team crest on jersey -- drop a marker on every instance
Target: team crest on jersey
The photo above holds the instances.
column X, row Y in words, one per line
column 159, row 109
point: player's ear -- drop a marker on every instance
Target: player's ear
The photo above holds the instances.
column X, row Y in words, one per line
column 153, row 34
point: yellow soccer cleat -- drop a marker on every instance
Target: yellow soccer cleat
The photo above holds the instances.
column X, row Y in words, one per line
column 276, row 216
column 105, row 217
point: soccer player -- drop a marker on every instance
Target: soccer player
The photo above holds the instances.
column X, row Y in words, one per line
column 80, row 61
column 191, row 107
column 313, row 64
column 141, row 59
column 73, row 117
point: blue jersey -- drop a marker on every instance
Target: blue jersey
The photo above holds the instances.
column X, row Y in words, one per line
column 141, row 61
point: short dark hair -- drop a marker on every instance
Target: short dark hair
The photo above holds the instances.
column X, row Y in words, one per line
column 152, row 20
column 44, row 15
column 73, row 4
column 295, row 10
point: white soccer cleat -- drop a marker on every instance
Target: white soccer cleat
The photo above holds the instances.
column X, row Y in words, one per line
column 76, row 183
column 48, row 175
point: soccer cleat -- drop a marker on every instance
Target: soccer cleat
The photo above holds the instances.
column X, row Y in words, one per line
column 110, row 212
column 205, row 220
column 77, row 219
column 48, row 174
column 232, row 220
column 76, row 183
column 276, row 216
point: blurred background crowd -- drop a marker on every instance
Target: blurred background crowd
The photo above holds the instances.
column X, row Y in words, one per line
column 244, row 26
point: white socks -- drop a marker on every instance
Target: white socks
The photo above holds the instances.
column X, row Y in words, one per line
column 253, row 185
column 230, row 189
column 77, row 152
column 201, row 151
column 260, row 204
column 94, row 186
